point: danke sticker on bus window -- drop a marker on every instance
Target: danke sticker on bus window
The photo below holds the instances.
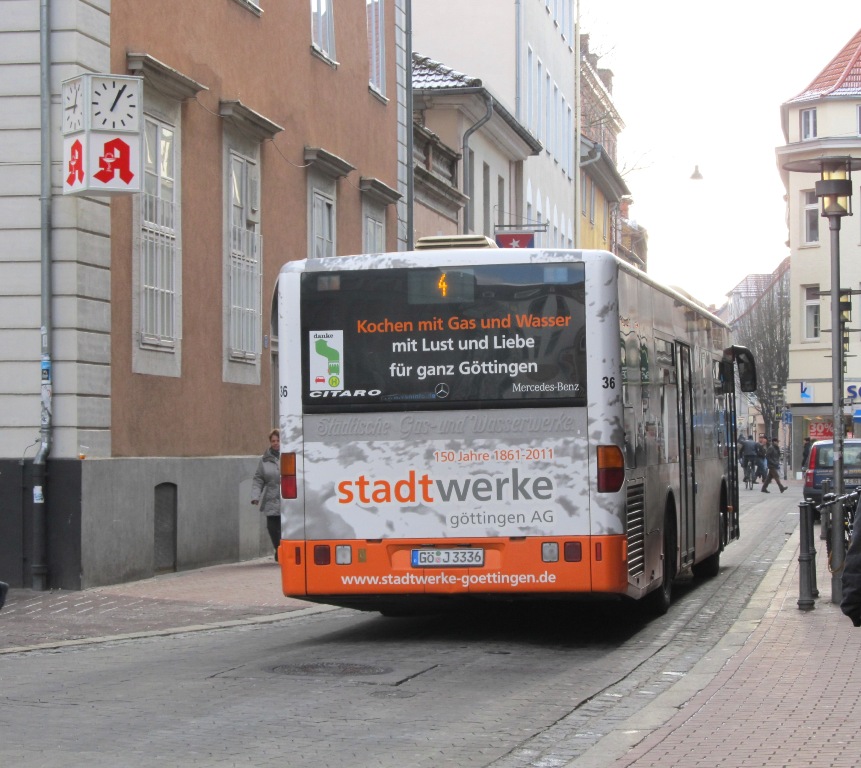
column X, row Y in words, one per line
column 326, row 360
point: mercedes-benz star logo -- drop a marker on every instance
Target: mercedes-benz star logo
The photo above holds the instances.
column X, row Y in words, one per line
column 441, row 391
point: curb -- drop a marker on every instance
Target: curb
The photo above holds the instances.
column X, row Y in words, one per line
column 271, row 619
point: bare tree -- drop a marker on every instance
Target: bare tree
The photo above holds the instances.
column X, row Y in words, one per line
column 763, row 327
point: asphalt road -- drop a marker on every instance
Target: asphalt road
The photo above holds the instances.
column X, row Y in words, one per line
column 528, row 686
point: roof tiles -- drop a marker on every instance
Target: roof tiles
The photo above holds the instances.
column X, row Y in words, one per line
column 842, row 76
column 428, row 73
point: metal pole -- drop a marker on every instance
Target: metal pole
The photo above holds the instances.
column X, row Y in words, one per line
column 836, row 355
column 408, row 23
column 838, row 549
column 814, row 589
column 39, row 567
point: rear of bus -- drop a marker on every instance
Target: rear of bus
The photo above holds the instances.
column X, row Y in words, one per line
column 450, row 428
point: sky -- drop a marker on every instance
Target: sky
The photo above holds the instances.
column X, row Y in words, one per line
column 701, row 84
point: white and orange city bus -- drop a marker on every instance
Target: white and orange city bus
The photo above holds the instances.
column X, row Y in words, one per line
column 477, row 423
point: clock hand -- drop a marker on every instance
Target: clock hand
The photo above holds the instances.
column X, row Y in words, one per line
column 117, row 98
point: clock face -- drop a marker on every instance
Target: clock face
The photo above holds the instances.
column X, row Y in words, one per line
column 114, row 104
column 73, row 105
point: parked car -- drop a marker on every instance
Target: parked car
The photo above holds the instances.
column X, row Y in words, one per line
column 820, row 466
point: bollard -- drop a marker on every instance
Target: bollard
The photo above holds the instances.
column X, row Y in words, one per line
column 805, row 558
column 814, row 589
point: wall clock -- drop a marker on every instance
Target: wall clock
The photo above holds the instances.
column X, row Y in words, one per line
column 73, row 105
column 114, row 103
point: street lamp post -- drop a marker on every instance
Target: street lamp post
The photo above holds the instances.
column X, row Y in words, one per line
column 834, row 189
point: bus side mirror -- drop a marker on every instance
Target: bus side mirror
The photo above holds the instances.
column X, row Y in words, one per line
column 742, row 357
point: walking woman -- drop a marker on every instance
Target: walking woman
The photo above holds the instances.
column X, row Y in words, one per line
column 266, row 488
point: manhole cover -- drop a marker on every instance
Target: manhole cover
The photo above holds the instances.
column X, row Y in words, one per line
column 331, row 668
column 396, row 693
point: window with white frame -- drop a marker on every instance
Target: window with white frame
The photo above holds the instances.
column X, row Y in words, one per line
column 539, row 110
column 323, row 27
column 156, row 250
column 568, row 148
column 548, row 110
column 375, row 234
column 591, row 201
column 583, row 179
column 323, row 222
column 485, row 202
column 244, row 266
column 808, row 124
column 811, row 312
column 530, row 90
column 810, row 206
column 605, row 225
column 159, row 244
column 376, row 45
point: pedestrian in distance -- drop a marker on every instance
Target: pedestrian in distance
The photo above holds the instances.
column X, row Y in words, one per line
column 762, row 458
column 4, row 588
column 266, row 488
column 747, row 451
column 772, row 457
column 805, row 452
column 850, row 603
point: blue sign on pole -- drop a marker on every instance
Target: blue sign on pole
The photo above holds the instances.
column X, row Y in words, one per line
column 787, row 417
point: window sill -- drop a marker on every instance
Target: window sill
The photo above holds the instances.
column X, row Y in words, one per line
column 153, row 345
column 323, row 56
column 249, row 358
column 377, row 94
column 250, row 6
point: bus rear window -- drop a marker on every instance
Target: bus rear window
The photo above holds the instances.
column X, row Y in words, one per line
column 444, row 337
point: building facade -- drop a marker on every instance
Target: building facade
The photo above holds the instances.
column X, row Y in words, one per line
column 824, row 120
column 493, row 147
column 161, row 325
column 530, row 57
column 602, row 189
column 524, row 54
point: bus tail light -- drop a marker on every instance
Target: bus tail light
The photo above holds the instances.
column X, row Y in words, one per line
column 322, row 554
column 573, row 551
column 288, row 476
column 809, row 472
column 611, row 468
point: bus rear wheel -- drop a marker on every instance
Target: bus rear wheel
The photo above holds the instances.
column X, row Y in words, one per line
column 658, row 601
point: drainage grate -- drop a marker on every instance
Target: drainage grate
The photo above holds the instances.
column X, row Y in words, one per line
column 331, row 669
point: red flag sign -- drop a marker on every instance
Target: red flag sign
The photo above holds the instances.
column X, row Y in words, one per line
column 516, row 240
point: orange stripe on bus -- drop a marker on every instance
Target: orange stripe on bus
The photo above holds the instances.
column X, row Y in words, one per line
column 510, row 567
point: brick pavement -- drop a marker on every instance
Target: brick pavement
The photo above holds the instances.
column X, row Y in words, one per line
column 785, row 692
